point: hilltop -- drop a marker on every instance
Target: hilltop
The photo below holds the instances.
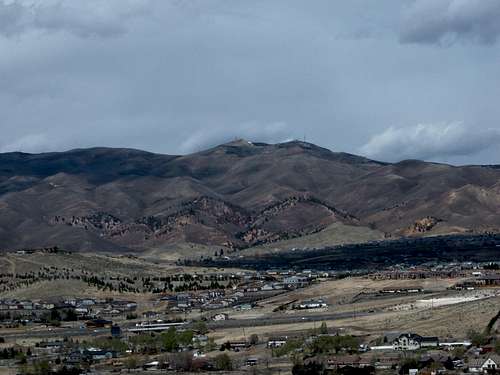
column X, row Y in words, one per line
column 234, row 196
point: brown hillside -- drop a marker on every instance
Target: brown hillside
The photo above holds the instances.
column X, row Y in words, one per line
column 235, row 195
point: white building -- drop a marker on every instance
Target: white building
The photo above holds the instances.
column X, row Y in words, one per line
column 412, row 341
column 276, row 342
column 312, row 304
column 485, row 365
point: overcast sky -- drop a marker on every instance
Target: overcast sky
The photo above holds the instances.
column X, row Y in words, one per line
column 391, row 79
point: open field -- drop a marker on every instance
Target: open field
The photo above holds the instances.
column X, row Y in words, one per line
column 59, row 267
column 335, row 234
column 473, row 309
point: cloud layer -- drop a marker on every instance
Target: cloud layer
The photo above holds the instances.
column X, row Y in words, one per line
column 447, row 21
column 174, row 76
column 87, row 18
column 429, row 142
column 252, row 131
column 30, row 143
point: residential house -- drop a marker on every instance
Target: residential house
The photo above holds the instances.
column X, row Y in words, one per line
column 200, row 340
column 220, row 316
column 276, row 342
column 312, row 304
column 485, row 364
column 99, row 354
column 294, row 282
column 489, row 280
column 252, row 361
column 75, row 359
column 412, row 341
column 50, row 347
column 238, row 345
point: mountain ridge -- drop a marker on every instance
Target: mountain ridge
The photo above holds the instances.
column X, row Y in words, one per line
column 233, row 196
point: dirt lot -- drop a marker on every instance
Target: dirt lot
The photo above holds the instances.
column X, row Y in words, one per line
column 444, row 320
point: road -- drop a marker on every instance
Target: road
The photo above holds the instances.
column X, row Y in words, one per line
column 269, row 321
column 55, row 333
column 231, row 323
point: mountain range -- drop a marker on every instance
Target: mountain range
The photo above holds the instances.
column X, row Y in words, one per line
column 234, row 196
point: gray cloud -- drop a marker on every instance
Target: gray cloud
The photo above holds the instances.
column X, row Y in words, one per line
column 447, row 21
column 429, row 141
column 81, row 18
column 30, row 143
column 184, row 75
column 12, row 18
column 251, row 131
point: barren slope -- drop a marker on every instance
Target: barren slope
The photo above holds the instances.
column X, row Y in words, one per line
column 233, row 196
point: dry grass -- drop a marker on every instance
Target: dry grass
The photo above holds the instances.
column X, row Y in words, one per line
column 445, row 321
column 335, row 234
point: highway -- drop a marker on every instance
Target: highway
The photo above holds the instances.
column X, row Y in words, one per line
column 277, row 320
column 55, row 333
column 46, row 333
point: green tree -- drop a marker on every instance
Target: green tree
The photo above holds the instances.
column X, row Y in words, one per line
column 71, row 315
column 201, row 327
column 181, row 361
column 211, row 345
column 223, row 362
column 185, row 337
column 24, row 369
column 408, row 363
column 323, row 329
column 169, row 340
column 55, row 315
column 254, row 339
column 458, row 352
column 497, row 346
column 325, row 344
column 131, row 363
column 110, row 344
column 477, row 338
column 42, row 368
column 290, row 346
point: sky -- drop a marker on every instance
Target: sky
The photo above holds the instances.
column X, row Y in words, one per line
column 390, row 80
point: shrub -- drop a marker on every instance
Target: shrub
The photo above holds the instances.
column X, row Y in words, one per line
column 223, row 362
column 254, row 339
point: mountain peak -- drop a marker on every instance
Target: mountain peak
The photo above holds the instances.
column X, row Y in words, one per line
column 240, row 142
column 121, row 198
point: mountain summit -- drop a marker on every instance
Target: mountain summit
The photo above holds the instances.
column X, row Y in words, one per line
column 233, row 196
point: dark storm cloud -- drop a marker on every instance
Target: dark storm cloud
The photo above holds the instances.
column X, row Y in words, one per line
column 448, row 21
column 177, row 76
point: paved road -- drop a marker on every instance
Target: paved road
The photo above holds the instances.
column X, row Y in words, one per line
column 231, row 323
column 268, row 321
column 55, row 333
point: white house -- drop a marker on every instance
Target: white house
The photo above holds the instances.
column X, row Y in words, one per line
column 412, row 341
column 312, row 304
column 276, row 342
column 220, row 316
column 483, row 365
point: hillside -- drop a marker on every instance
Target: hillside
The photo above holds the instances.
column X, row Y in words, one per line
column 233, row 196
